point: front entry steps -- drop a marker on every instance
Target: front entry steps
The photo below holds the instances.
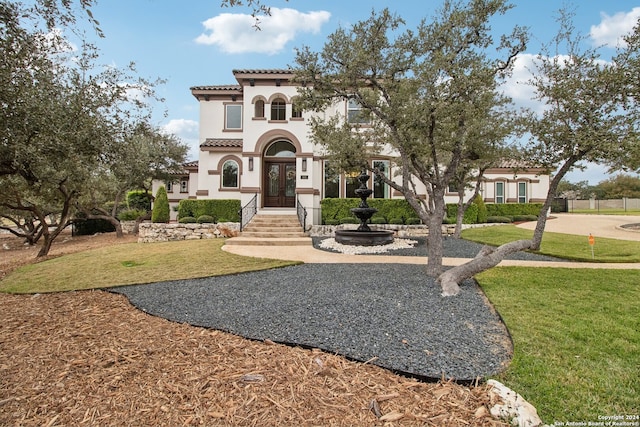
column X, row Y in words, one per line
column 272, row 230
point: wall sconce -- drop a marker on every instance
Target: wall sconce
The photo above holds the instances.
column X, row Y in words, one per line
column 250, row 163
column 304, row 165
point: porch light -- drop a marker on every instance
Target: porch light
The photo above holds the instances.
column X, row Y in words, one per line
column 304, row 165
column 250, row 163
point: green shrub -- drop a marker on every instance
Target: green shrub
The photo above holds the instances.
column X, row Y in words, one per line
column 498, row 219
column 482, row 209
column 332, row 222
column 205, row 219
column 131, row 214
column 511, row 209
column 160, row 212
column 470, row 215
column 525, row 218
column 224, row 220
column 217, row 208
column 187, row 220
column 396, row 221
column 413, row 221
column 448, row 220
column 139, row 200
column 348, row 220
column 378, row 220
column 335, row 209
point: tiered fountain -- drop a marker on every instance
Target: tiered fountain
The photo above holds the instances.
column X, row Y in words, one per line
column 364, row 235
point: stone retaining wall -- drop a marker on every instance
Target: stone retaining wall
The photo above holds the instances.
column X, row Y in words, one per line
column 150, row 232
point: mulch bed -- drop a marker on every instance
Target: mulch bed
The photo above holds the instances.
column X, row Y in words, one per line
column 90, row 358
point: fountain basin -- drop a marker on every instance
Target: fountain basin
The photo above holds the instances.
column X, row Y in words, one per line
column 364, row 238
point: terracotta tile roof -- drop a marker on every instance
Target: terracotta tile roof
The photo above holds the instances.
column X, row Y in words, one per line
column 264, row 71
column 515, row 164
column 191, row 165
column 217, row 87
column 222, row 142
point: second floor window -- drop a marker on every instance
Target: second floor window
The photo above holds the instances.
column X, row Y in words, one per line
column 169, row 186
column 355, row 113
column 278, row 109
column 259, row 109
column 296, row 111
column 233, row 116
column 184, row 186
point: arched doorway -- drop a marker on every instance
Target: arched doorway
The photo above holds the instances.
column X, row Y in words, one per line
column 279, row 180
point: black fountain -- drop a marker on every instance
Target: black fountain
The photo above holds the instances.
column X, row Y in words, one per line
column 364, row 235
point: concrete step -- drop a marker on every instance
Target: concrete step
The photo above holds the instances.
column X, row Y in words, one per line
column 272, row 227
column 271, row 234
column 274, row 241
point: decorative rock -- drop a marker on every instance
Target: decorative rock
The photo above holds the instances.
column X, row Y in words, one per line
column 520, row 412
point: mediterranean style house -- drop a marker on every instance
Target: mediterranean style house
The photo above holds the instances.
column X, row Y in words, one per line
column 255, row 146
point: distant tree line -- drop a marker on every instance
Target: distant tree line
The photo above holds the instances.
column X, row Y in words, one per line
column 616, row 187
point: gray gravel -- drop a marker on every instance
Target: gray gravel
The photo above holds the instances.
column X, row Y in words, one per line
column 389, row 314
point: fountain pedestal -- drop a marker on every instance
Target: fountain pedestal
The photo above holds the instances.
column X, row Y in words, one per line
column 364, row 235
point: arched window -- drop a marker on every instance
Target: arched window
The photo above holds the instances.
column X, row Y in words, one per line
column 278, row 109
column 281, row 149
column 230, row 174
column 296, row 111
column 259, row 109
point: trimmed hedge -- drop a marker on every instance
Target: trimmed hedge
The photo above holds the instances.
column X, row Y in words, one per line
column 513, row 209
column 398, row 211
column 205, row 219
column 470, row 215
column 498, row 220
column 336, row 209
column 217, row 208
column 187, row 220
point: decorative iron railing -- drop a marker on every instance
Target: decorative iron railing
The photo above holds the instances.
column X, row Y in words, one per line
column 248, row 211
column 302, row 214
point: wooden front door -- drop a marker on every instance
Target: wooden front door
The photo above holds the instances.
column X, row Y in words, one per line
column 280, row 184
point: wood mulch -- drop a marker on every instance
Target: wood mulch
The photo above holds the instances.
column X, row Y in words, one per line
column 90, row 358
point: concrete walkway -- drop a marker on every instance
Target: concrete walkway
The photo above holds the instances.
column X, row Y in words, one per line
column 597, row 225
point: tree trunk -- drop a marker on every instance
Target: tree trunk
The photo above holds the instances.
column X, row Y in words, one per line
column 136, row 227
column 434, row 240
column 487, row 258
column 459, row 217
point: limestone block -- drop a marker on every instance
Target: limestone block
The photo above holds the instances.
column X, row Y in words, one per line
column 514, row 408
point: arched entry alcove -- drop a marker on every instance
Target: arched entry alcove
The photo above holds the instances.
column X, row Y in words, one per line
column 279, row 179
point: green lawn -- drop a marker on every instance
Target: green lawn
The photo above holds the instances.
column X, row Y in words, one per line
column 132, row 263
column 576, row 336
column 560, row 245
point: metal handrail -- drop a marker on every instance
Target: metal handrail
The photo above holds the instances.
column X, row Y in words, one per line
column 302, row 214
column 248, row 211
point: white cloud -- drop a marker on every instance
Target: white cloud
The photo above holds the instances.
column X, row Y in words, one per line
column 611, row 29
column 517, row 86
column 187, row 131
column 235, row 33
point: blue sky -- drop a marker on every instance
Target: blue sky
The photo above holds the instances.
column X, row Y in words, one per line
column 198, row 42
